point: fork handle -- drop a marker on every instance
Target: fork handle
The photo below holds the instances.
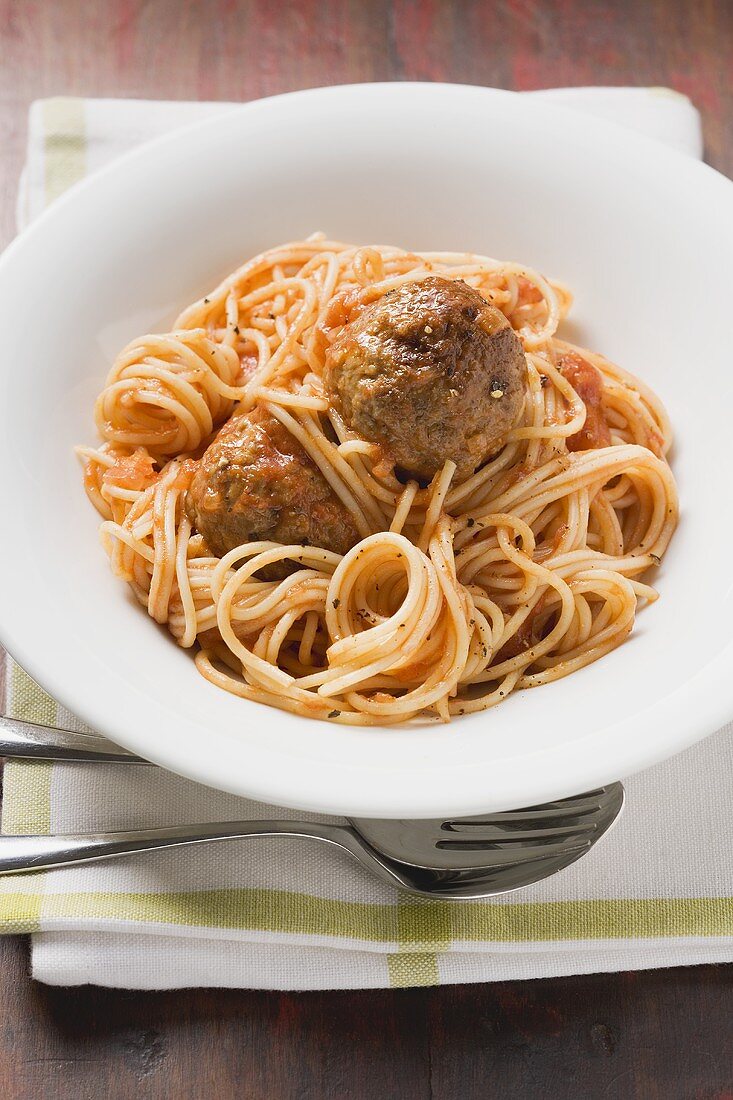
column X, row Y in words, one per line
column 31, row 741
column 19, row 854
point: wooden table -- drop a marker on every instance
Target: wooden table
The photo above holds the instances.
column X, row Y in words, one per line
column 664, row 1034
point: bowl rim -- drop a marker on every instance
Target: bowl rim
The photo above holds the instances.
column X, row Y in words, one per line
column 591, row 760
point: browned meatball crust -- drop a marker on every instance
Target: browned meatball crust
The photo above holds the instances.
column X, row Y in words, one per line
column 255, row 482
column 432, row 372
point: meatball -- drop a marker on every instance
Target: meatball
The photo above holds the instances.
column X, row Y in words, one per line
column 255, row 482
column 431, row 372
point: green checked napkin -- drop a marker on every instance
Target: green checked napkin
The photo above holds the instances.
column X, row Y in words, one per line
column 283, row 914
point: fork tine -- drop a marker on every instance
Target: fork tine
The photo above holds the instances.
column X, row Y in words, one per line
column 573, row 808
column 476, row 836
column 504, row 857
column 511, row 847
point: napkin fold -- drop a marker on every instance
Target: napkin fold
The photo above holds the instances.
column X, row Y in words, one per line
column 284, row 914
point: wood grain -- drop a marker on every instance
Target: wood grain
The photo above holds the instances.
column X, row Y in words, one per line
column 662, row 1035
column 665, row 1034
column 223, row 49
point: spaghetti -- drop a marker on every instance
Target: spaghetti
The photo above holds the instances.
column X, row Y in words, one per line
column 457, row 593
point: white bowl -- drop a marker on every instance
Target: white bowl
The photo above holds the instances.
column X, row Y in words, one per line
column 643, row 236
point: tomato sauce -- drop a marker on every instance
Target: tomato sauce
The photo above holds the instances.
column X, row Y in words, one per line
column 587, row 382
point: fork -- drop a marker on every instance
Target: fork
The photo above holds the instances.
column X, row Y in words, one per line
column 459, row 858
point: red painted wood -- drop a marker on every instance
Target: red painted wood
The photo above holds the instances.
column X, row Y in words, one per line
column 660, row 1035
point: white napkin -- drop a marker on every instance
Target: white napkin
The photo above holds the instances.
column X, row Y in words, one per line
column 291, row 915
